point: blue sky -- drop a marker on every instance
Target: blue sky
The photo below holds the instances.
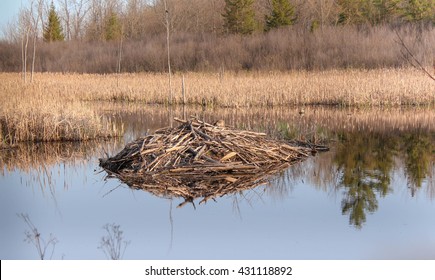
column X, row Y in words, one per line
column 8, row 10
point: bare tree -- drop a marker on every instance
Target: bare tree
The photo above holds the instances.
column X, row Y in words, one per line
column 168, row 48
column 28, row 25
column 118, row 68
column 100, row 11
column 134, row 22
column 36, row 14
column 25, row 27
column 322, row 12
column 113, row 244
column 66, row 18
column 74, row 13
column 94, row 29
column 34, row 236
column 11, row 31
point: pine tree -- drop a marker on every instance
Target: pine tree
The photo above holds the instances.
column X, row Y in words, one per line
column 113, row 27
column 385, row 11
column 418, row 10
column 283, row 14
column 53, row 29
column 239, row 16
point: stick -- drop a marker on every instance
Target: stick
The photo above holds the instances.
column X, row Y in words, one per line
column 420, row 66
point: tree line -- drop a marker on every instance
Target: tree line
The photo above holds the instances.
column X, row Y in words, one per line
column 92, row 20
column 214, row 34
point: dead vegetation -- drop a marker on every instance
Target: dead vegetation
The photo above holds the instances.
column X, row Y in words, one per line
column 43, row 112
column 347, row 88
column 202, row 160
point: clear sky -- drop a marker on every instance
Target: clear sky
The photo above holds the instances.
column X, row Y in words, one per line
column 8, row 10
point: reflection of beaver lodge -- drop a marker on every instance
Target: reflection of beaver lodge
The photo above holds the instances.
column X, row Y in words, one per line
column 201, row 160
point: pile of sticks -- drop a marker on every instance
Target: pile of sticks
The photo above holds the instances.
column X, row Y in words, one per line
column 201, row 160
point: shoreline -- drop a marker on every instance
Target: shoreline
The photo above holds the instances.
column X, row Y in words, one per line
column 62, row 107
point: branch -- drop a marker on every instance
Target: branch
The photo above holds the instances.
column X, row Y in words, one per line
column 412, row 60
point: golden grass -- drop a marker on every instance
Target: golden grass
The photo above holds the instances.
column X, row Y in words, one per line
column 55, row 106
column 380, row 87
column 36, row 113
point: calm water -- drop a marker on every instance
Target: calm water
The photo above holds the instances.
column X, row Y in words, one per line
column 372, row 196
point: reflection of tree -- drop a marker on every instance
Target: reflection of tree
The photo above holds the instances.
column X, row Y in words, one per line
column 419, row 152
column 365, row 163
column 113, row 244
column 34, row 236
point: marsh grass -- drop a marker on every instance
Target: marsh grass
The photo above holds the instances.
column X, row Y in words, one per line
column 41, row 112
column 350, row 87
column 62, row 107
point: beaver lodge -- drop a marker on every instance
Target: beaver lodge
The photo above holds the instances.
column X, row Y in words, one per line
column 201, row 160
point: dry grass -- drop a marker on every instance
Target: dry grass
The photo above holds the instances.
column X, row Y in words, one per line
column 380, row 87
column 39, row 112
column 56, row 108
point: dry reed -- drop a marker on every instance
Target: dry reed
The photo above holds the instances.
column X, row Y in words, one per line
column 55, row 107
column 351, row 87
column 40, row 112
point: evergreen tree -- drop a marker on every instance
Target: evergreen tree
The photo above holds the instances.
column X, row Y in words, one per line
column 113, row 27
column 239, row 16
column 53, row 29
column 417, row 10
column 385, row 11
column 283, row 14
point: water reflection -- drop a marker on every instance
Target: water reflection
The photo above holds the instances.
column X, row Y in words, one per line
column 369, row 149
column 113, row 244
column 364, row 162
column 419, row 149
column 27, row 157
column 40, row 243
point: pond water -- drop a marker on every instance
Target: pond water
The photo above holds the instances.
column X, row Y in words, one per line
column 372, row 196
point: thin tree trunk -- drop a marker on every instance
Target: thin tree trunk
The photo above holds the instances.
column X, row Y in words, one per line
column 35, row 35
column 119, row 58
column 25, row 55
column 169, row 53
column 33, row 58
column 23, row 65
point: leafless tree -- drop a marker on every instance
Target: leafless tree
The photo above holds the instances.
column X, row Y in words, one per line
column 28, row 26
column 100, row 11
column 322, row 11
column 118, row 66
column 167, row 20
column 11, row 31
column 36, row 14
column 34, row 236
column 24, row 31
column 74, row 13
column 66, row 18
